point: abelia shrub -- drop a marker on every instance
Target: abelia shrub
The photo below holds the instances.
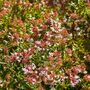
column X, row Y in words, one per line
column 44, row 45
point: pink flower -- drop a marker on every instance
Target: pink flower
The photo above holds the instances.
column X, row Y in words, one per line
column 31, row 80
column 49, row 79
column 27, row 37
column 88, row 57
column 57, row 53
column 3, row 13
column 25, row 60
column 16, row 36
column 44, row 27
column 59, row 62
column 36, row 34
column 29, row 69
column 87, row 77
column 64, row 33
column 74, row 80
column 74, row 15
column 69, row 52
column 51, row 58
column 25, row 71
column 48, row 22
column 20, row 22
column 13, row 58
column 35, row 29
column 76, row 70
column 7, row 4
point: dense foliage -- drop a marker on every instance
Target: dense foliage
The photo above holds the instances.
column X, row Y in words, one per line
column 44, row 45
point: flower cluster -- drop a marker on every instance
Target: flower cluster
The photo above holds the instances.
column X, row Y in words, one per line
column 42, row 74
column 73, row 74
column 22, row 56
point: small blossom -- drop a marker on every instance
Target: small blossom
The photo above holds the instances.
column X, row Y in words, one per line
column 31, row 80
column 88, row 57
column 87, row 77
column 7, row 4
column 64, row 33
column 69, row 52
column 74, row 15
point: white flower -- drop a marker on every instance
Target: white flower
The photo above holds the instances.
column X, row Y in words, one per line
column 25, row 71
column 51, row 54
column 25, row 50
column 38, row 42
column 33, row 81
column 88, row 76
column 1, row 81
column 1, row 85
column 76, row 76
column 1, row 49
column 33, row 66
column 39, row 48
column 85, row 72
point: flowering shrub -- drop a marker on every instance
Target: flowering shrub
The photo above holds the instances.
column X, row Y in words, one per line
column 44, row 45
